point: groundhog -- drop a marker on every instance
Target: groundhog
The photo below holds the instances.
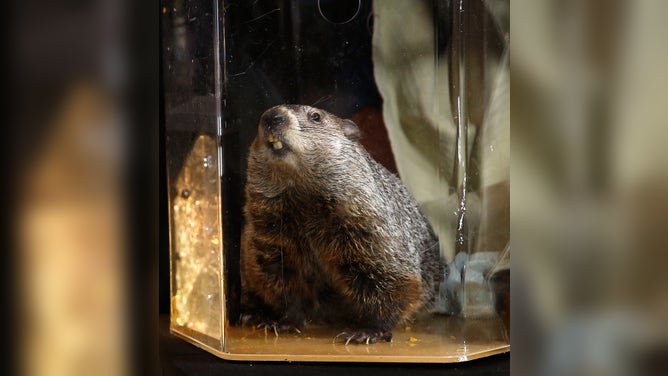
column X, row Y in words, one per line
column 330, row 235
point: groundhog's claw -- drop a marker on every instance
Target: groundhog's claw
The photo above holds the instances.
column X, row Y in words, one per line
column 269, row 325
column 278, row 328
column 364, row 336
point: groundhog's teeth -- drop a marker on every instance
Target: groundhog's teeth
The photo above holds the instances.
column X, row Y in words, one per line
column 277, row 145
column 271, row 138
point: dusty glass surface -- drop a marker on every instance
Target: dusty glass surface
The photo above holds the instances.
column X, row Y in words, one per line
column 196, row 241
column 427, row 84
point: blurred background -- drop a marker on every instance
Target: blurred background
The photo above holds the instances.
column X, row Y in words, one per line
column 83, row 182
column 589, row 190
column 589, row 187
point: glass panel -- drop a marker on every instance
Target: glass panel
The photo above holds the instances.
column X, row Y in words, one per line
column 192, row 119
column 426, row 83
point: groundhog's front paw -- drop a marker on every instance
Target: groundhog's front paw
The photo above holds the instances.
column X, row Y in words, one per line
column 366, row 336
column 259, row 322
column 279, row 327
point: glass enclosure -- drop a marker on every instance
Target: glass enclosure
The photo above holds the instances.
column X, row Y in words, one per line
column 427, row 84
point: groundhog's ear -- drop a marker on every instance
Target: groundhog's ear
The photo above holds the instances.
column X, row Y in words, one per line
column 351, row 130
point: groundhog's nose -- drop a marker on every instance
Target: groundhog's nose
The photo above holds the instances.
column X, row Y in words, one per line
column 273, row 119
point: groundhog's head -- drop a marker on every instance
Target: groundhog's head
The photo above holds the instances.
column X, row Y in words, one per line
column 303, row 136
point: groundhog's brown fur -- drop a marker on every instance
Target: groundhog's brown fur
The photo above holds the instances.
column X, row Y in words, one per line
column 329, row 233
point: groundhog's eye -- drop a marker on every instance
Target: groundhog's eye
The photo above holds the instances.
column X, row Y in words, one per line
column 315, row 116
